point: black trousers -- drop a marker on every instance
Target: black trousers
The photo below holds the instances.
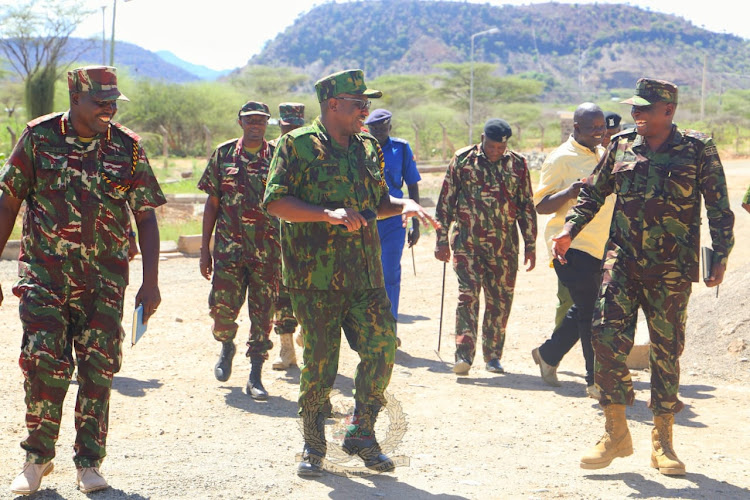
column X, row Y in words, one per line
column 582, row 276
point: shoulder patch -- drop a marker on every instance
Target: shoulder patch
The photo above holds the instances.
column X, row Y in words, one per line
column 125, row 130
column 399, row 140
column 45, row 118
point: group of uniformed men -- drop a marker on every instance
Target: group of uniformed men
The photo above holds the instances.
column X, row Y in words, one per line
column 293, row 223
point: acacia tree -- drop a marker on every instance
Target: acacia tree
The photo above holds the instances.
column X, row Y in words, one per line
column 34, row 36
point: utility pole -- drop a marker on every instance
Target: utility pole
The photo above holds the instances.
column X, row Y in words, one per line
column 104, row 37
column 112, row 43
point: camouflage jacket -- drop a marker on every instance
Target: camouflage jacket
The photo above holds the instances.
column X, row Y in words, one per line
column 310, row 166
column 746, row 199
column 655, row 230
column 245, row 232
column 484, row 201
column 77, row 221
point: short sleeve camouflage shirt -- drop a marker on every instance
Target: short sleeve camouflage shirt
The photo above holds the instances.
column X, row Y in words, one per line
column 308, row 165
column 244, row 230
column 77, row 196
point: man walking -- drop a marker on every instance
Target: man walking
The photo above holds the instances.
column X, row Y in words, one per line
column 80, row 175
column 485, row 194
column 563, row 174
column 291, row 117
column 326, row 180
column 246, row 256
column 400, row 169
column 659, row 175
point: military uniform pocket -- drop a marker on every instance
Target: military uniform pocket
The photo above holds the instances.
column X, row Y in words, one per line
column 52, row 171
column 680, row 183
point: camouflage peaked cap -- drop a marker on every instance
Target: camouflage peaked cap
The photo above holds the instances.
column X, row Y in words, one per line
column 99, row 81
column 254, row 108
column 350, row 81
column 291, row 113
column 649, row 91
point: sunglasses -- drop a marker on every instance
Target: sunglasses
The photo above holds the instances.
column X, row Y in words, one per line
column 361, row 105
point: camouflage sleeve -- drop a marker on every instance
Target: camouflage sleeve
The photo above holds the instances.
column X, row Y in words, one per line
column 145, row 192
column 446, row 204
column 210, row 182
column 17, row 175
column 713, row 186
column 746, row 199
column 527, row 213
column 592, row 197
column 283, row 176
column 383, row 191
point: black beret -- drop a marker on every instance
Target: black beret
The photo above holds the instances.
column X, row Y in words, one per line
column 497, row 130
column 612, row 119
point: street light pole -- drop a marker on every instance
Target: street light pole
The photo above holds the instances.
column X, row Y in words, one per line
column 471, row 81
column 104, row 37
column 112, row 43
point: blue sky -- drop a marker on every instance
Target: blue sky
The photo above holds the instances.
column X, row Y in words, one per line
column 224, row 34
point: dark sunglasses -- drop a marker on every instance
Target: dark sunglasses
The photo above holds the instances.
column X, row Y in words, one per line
column 362, row 105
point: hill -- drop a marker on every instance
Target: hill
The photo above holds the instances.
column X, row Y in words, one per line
column 202, row 72
column 141, row 62
column 582, row 47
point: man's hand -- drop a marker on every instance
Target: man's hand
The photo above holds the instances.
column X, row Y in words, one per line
column 560, row 245
column 150, row 297
column 413, row 237
column 206, row 263
column 443, row 253
column 348, row 217
column 574, row 189
column 530, row 260
column 413, row 209
column 746, row 206
column 717, row 275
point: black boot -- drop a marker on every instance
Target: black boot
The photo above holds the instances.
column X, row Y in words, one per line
column 360, row 439
column 254, row 386
column 223, row 368
column 314, row 451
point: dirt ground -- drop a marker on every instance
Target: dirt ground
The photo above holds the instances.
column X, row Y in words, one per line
column 175, row 432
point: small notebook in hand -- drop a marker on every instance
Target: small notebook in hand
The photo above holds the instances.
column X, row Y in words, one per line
column 139, row 327
column 707, row 255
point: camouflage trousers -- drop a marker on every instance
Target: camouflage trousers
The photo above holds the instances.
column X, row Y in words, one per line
column 231, row 283
column 285, row 321
column 664, row 302
column 58, row 322
column 496, row 276
column 366, row 318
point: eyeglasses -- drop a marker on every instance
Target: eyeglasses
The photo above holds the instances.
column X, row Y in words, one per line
column 361, row 105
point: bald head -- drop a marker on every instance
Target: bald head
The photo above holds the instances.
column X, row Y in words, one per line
column 588, row 125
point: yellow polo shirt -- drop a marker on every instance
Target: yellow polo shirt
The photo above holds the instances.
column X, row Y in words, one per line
column 565, row 165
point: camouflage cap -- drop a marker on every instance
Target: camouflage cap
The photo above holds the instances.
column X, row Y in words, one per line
column 254, row 108
column 649, row 91
column 291, row 113
column 99, row 81
column 350, row 81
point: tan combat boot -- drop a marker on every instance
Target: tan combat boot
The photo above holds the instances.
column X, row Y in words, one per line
column 663, row 456
column 287, row 356
column 615, row 443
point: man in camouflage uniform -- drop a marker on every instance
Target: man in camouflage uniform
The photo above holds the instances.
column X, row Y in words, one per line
column 80, row 175
column 658, row 174
column 246, row 256
column 291, row 117
column 326, row 182
column 485, row 194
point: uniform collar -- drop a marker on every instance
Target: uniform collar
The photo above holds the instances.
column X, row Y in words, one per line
column 322, row 133
column 675, row 138
column 263, row 152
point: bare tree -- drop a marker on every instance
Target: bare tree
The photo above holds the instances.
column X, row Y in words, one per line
column 34, row 37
